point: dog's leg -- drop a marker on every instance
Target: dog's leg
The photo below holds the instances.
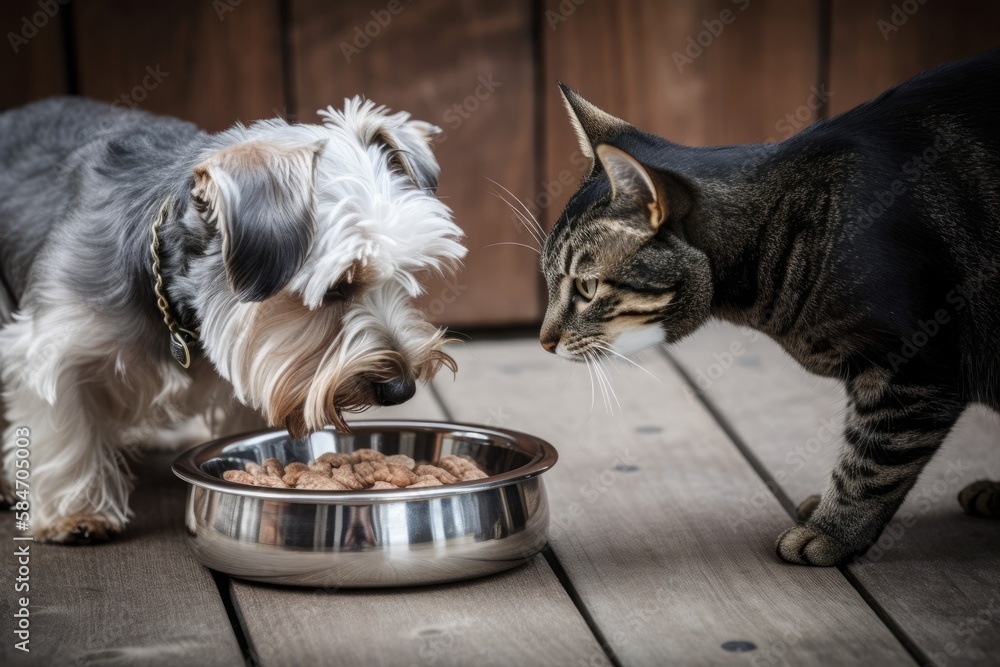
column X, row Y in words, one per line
column 78, row 485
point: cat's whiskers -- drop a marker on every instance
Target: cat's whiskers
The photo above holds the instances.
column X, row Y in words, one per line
column 597, row 374
column 537, row 225
column 611, row 388
column 523, row 245
column 591, row 376
column 624, row 358
column 606, row 387
column 520, row 217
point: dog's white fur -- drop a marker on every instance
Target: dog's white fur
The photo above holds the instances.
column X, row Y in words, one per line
column 90, row 385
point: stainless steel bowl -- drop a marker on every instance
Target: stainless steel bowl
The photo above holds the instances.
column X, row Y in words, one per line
column 397, row 537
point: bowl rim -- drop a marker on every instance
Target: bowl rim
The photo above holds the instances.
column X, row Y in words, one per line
column 187, row 465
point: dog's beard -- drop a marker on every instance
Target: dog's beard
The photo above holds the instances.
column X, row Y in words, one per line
column 303, row 369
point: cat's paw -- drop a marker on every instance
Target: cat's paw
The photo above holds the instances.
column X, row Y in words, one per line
column 79, row 529
column 807, row 507
column 981, row 499
column 807, row 545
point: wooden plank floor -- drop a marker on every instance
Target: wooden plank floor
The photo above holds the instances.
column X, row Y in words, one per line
column 661, row 544
column 935, row 572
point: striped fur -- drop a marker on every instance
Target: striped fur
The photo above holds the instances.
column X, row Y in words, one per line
column 867, row 246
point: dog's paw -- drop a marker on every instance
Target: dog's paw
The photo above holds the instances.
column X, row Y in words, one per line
column 807, row 545
column 78, row 529
column 807, row 507
column 981, row 499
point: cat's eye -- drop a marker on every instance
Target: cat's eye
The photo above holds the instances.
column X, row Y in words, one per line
column 586, row 287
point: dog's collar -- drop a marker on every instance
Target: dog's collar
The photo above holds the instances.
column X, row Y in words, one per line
column 181, row 339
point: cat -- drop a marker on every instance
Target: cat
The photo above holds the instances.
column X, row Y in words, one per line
column 867, row 246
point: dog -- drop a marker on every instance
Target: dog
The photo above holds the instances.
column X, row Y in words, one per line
column 159, row 274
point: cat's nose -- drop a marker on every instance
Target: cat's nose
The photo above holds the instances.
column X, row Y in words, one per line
column 549, row 342
column 394, row 392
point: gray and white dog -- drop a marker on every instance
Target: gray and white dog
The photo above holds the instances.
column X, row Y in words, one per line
column 264, row 274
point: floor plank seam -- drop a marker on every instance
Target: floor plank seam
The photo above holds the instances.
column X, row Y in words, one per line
column 574, row 596
column 235, row 620
column 898, row 632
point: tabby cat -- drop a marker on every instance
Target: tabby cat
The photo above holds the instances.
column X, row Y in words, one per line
column 867, row 246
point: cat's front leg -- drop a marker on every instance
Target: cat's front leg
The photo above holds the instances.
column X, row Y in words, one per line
column 892, row 431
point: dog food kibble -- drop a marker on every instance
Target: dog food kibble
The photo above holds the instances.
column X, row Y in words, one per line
column 401, row 460
column 440, row 474
column 357, row 470
column 461, row 467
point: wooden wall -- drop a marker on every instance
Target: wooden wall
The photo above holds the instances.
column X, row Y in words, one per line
column 701, row 72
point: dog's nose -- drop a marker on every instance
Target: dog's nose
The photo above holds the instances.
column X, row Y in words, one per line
column 394, row 392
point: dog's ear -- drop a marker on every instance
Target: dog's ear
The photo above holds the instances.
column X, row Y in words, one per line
column 261, row 197
column 410, row 143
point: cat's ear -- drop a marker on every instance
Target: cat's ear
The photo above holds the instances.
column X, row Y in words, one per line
column 629, row 179
column 591, row 124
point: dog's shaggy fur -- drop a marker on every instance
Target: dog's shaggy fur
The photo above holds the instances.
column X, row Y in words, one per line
column 296, row 249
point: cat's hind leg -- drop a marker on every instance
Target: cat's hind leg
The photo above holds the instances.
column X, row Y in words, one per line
column 981, row 499
column 893, row 430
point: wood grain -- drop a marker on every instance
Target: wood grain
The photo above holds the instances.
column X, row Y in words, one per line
column 222, row 60
column 875, row 45
column 35, row 67
column 649, row 525
column 520, row 617
column 934, row 568
column 467, row 67
column 695, row 72
column 141, row 599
